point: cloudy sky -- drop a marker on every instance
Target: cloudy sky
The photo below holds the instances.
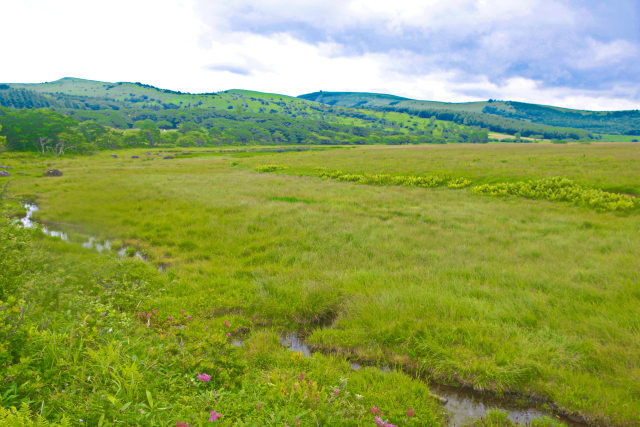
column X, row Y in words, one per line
column 572, row 53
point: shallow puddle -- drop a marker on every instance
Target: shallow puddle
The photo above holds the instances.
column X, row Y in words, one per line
column 466, row 405
column 93, row 243
column 27, row 219
column 294, row 342
column 28, row 222
column 137, row 254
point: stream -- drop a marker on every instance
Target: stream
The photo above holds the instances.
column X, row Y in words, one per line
column 463, row 405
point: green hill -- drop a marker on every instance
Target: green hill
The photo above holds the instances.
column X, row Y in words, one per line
column 229, row 117
column 500, row 116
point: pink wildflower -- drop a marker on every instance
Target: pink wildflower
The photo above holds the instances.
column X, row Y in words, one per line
column 214, row 416
column 226, row 323
column 155, row 311
column 181, row 424
column 410, row 412
column 228, row 334
column 259, row 406
column 206, row 329
column 188, row 317
column 375, row 410
column 181, row 311
column 170, row 318
column 204, row 378
column 385, row 423
column 336, row 391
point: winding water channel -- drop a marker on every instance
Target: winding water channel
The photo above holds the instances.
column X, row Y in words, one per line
column 463, row 405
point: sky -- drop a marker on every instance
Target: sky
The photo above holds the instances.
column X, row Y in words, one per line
column 581, row 54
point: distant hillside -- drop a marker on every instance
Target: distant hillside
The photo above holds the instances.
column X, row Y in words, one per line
column 232, row 116
column 500, row 116
column 80, row 94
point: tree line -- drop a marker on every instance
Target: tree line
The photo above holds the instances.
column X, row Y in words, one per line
column 496, row 124
column 50, row 132
column 614, row 122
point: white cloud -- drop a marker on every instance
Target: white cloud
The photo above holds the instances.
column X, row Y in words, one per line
column 528, row 90
column 463, row 15
column 597, row 54
column 203, row 46
column 315, row 68
column 118, row 40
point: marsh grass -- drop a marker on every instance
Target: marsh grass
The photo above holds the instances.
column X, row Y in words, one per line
column 85, row 355
column 510, row 295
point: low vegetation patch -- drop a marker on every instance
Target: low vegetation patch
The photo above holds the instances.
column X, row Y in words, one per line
column 383, row 179
column 458, row 183
column 556, row 189
column 564, row 190
column 269, row 168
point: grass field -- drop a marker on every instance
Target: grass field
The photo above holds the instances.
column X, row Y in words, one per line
column 534, row 297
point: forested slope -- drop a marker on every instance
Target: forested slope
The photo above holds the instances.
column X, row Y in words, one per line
column 501, row 116
column 133, row 114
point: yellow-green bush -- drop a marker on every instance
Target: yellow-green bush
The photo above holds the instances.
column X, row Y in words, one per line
column 561, row 189
column 458, row 183
column 384, row 179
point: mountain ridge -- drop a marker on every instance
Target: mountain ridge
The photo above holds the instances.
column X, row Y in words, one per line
column 86, row 99
column 485, row 113
column 312, row 95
